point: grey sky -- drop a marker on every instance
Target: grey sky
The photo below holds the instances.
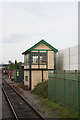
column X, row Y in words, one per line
column 24, row 24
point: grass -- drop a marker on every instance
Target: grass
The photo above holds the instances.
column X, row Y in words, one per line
column 56, row 110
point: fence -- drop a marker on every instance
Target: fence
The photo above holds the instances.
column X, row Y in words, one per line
column 64, row 88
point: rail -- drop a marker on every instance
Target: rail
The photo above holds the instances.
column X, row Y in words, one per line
column 20, row 106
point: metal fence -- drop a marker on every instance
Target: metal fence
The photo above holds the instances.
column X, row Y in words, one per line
column 64, row 88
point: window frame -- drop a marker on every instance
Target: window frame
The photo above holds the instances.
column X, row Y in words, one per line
column 39, row 54
column 26, row 59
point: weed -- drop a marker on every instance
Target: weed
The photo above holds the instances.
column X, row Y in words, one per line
column 41, row 89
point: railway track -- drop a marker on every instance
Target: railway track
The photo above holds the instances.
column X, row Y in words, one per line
column 6, row 109
column 22, row 110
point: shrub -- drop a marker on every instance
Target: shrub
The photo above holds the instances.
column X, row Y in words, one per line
column 41, row 89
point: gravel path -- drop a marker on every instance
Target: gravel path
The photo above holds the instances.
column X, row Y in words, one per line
column 32, row 99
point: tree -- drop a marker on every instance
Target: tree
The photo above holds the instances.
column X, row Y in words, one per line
column 16, row 65
column 13, row 66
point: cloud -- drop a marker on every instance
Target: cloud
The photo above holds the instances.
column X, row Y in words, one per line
column 14, row 38
column 24, row 24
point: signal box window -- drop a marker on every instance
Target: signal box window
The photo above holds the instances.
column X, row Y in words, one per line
column 35, row 59
column 43, row 58
column 39, row 58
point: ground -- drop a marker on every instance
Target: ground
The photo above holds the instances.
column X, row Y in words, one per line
column 33, row 100
column 40, row 104
column 0, row 96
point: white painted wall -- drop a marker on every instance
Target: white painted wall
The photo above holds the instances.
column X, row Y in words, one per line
column 68, row 59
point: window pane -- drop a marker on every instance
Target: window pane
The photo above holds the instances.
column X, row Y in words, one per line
column 39, row 56
column 35, row 59
column 43, row 58
column 26, row 59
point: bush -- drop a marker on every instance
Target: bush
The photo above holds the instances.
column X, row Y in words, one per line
column 41, row 89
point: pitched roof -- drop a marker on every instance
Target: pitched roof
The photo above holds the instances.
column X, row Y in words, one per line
column 40, row 42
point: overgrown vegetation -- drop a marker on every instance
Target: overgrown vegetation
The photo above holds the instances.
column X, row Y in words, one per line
column 56, row 110
column 41, row 89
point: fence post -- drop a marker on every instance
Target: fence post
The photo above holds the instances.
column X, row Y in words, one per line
column 64, row 73
column 64, row 88
column 78, row 94
column 54, row 71
column 75, row 72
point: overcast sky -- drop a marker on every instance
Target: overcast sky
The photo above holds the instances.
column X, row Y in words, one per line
column 24, row 24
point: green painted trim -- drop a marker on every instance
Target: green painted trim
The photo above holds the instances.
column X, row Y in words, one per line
column 38, row 69
column 30, row 76
column 38, row 64
column 30, row 80
column 42, row 76
column 47, row 60
column 38, row 59
column 54, row 60
column 42, row 41
column 41, row 50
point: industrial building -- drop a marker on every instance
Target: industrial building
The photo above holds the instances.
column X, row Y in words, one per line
column 68, row 59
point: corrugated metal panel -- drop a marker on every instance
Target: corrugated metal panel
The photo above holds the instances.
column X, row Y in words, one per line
column 68, row 59
column 64, row 88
